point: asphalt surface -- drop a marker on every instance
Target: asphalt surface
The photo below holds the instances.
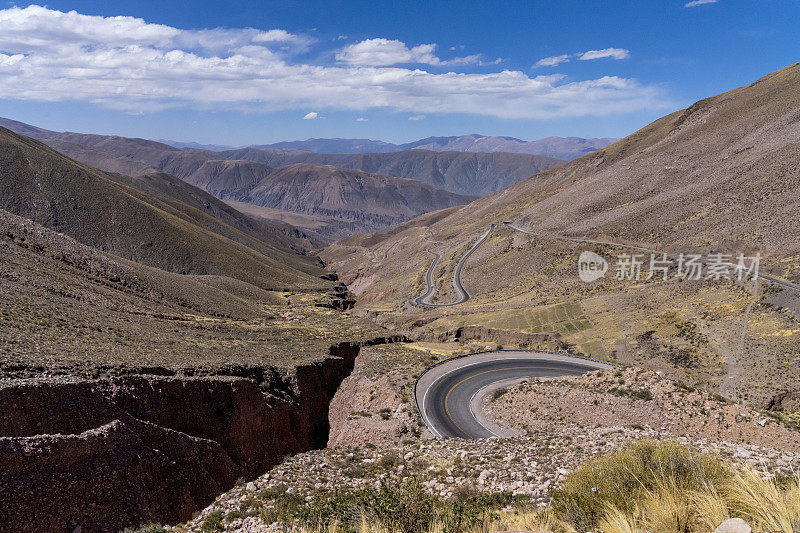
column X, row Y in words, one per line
column 444, row 393
column 385, row 252
column 430, row 288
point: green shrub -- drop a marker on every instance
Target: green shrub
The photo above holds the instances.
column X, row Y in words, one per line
column 326, row 509
column 390, row 460
column 402, row 506
column 149, row 528
column 213, row 522
column 280, row 504
column 497, row 394
column 625, row 478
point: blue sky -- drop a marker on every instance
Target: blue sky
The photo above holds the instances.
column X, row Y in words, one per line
column 241, row 72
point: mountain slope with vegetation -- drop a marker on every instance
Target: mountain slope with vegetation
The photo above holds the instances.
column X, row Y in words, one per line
column 155, row 345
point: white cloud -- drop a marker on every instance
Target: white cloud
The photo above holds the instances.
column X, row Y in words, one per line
column 699, row 3
column 362, row 119
column 311, row 116
column 128, row 64
column 274, row 36
column 417, row 117
column 616, row 53
column 466, row 60
column 386, row 52
column 552, row 61
column 35, row 28
column 381, row 52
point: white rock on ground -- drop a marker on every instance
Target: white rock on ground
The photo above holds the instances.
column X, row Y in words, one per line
column 733, row 525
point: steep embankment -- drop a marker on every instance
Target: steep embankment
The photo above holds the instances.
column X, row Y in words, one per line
column 118, row 452
column 201, row 380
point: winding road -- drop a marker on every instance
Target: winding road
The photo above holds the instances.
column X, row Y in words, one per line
column 430, row 289
column 449, row 395
column 385, row 252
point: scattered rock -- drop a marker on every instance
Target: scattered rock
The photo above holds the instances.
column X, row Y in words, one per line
column 733, row 525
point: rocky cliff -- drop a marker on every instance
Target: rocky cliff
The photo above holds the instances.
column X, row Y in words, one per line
column 111, row 453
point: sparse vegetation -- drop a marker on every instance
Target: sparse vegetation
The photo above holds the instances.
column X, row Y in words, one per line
column 401, row 506
column 148, row 528
column 664, row 486
column 649, row 486
column 213, row 522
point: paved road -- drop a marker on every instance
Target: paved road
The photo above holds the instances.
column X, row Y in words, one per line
column 385, row 252
column 444, row 393
column 430, row 288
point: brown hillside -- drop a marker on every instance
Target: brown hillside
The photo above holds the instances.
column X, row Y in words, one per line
column 470, row 173
column 233, row 180
column 101, row 211
column 378, row 201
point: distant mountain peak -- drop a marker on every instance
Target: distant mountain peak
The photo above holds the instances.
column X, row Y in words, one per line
column 565, row 148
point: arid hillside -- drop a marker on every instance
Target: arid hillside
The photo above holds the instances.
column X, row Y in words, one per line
column 721, row 176
column 348, row 201
column 340, row 201
column 470, row 173
column 110, row 213
column 378, row 200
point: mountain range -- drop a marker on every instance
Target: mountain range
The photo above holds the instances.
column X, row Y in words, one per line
column 565, row 148
column 158, row 220
column 339, row 202
column 364, row 193
column 466, row 173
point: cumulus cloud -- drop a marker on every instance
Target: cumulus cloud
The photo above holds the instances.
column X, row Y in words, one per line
column 39, row 28
column 552, row 61
column 699, row 3
column 274, row 36
column 616, row 53
column 417, row 117
column 381, row 52
column 362, row 119
column 129, row 64
column 311, row 116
